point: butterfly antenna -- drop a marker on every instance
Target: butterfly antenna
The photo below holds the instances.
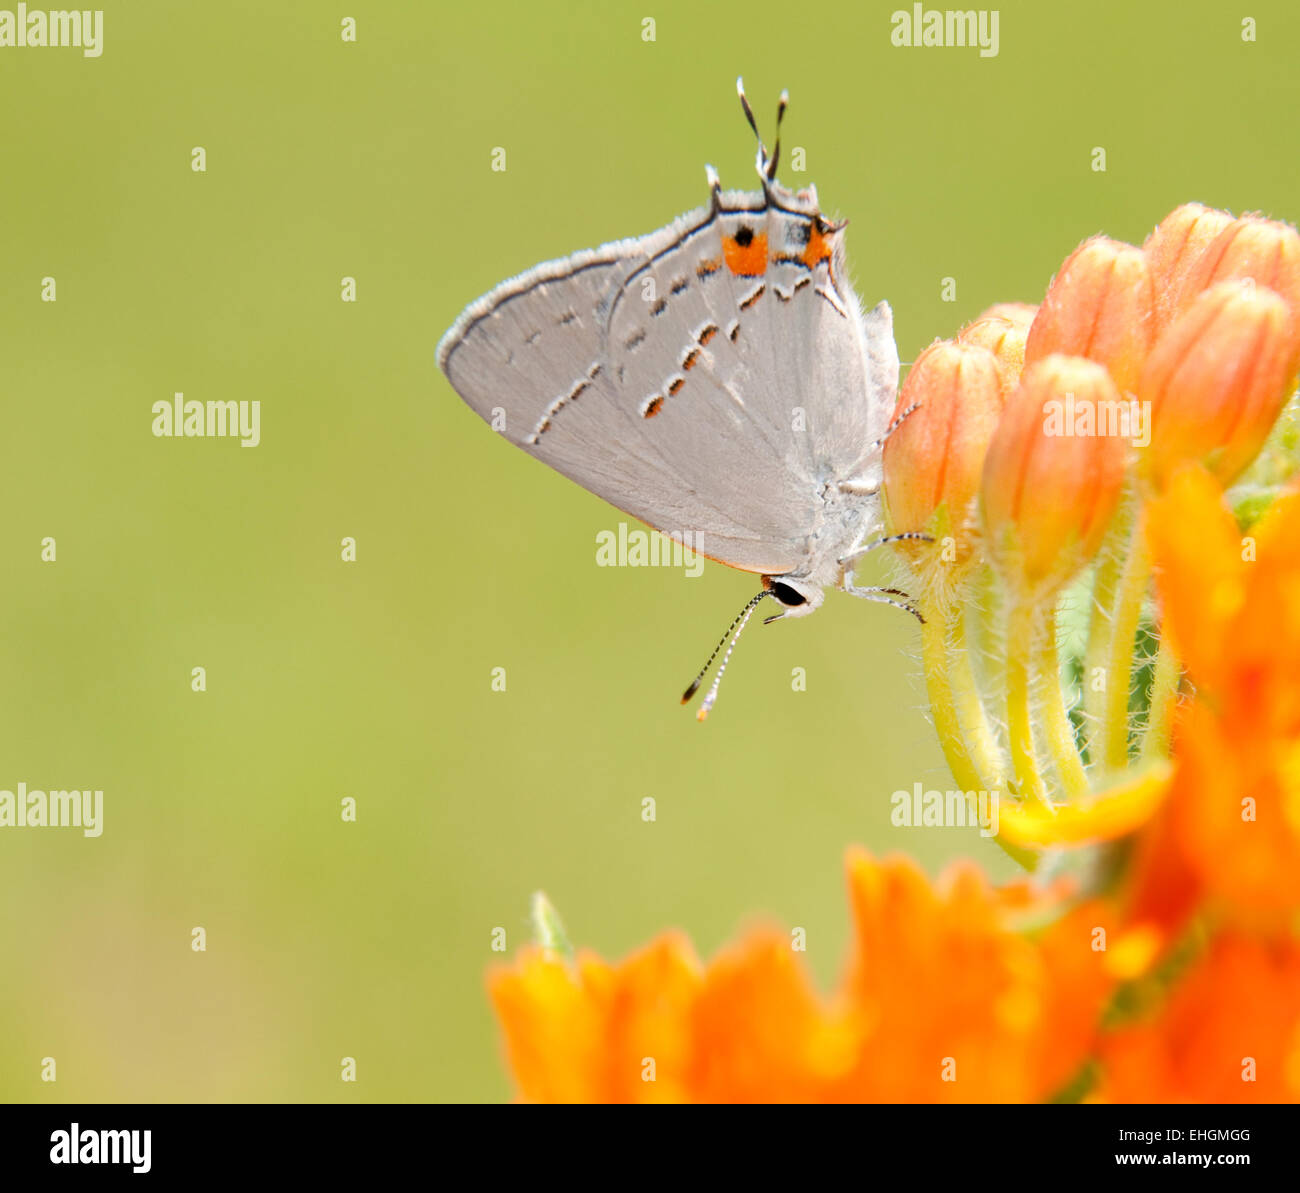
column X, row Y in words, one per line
column 738, row 624
column 749, row 115
column 781, row 105
column 741, row 616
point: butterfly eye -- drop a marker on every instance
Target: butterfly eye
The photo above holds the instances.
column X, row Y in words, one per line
column 786, row 595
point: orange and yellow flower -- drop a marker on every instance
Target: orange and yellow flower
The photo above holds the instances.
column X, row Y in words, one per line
column 1228, row 1031
column 1231, row 605
column 1173, row 973
column 956, row 393
column 946, row 998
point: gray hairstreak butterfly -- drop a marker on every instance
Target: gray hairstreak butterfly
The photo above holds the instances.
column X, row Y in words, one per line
column 717, row 379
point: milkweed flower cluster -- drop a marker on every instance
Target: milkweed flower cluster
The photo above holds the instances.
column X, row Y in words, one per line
column 1055, row 433
column 1110, row 482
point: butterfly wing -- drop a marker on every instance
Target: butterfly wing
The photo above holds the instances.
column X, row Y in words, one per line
column 710, row 378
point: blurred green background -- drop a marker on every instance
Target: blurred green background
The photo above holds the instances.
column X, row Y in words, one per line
column 372, row 679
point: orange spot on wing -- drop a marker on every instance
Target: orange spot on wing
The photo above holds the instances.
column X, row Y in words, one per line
column 818, row 250
column 709, row 265
column 749, row 260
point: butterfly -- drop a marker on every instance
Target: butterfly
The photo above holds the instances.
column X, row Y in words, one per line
column 717, row 379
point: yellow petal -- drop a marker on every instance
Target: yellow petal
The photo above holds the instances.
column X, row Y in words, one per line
column 1112, row 814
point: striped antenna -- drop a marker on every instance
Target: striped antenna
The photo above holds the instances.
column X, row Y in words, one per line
column 738, row 624
column 738, row 620
column 749, row 115
column 782, row 104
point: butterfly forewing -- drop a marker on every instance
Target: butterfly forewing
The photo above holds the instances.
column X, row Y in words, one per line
column 710, row 378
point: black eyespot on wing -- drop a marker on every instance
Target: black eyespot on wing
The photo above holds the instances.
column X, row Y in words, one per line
column 787, row 595
column 744, row 236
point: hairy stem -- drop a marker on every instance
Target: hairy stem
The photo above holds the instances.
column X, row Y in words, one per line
column 1025, row 762
column 1057, row 730
column 974, row 756
column 1130, row 592
column 1164, row 696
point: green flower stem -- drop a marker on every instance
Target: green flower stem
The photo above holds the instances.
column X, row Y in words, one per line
column 1025, row 762
column 1125, row 614
column 1058, row 731
column 1100, row 624
column 935, row 636
column 972, row 751
column 1164, row 695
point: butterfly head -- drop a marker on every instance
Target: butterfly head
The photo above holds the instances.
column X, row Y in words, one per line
column 796, row 597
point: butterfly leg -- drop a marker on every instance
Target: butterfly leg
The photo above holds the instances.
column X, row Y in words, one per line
column 907, row 536
column 885, row 596
column 868, row 485
column 898, row 422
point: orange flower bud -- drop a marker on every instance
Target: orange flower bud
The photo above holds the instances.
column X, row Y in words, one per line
column 1218, row 379
column 1101, row 305
column 1020, row 313
column 1174, row 249
column 1053, row 473
column 934, row 459
column 1004, row 336
column 1251, row 247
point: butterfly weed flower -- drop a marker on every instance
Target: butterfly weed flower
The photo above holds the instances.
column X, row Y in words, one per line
column 1112, row 639
column 1174, row 248
column 1265, row 252
column 1213, row 875
column 963, row 992
column 953, row 992
column 1138, row 384
column 1226, row 1031
column 1231, row 611
column 582, row 1031
column 1003, row 330
column 1020, row 313
column 932, row 468
column 1218, row 379
column 1211, row 390
column 1101, row 305
column 1047, row 496
column 933, row 460
column 1049, row 487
